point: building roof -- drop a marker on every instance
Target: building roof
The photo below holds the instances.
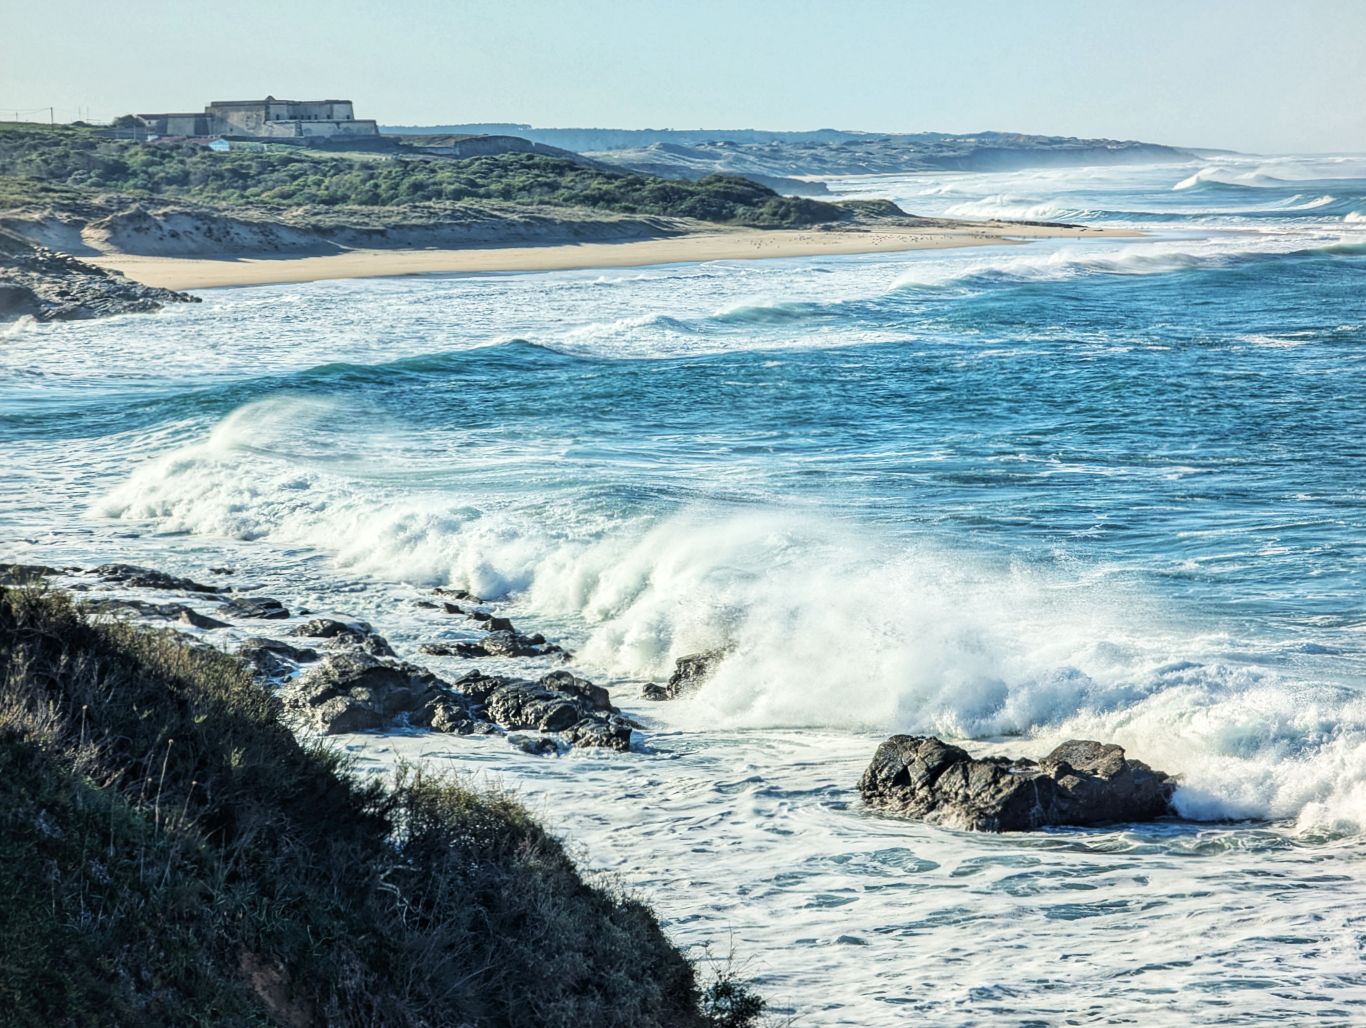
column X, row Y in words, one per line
column 272, row 100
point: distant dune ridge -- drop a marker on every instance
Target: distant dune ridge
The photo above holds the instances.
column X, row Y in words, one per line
column 173, row 214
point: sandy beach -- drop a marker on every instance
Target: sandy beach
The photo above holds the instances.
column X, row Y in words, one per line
column 740, row 244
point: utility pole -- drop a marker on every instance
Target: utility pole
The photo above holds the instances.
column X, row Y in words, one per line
column 51, row 118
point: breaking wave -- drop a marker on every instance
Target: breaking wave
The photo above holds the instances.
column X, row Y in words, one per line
column 827, row 624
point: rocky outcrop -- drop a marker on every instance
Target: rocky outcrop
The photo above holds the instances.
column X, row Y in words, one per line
column 177, row 612
column 689, row 672
column 501, row 643
column 147, row 578
column 1079, row 783
column 346, row 633
column 51, row 286
column 255, row 607
column 271, row 659
column 581, row 712
column 355, row 692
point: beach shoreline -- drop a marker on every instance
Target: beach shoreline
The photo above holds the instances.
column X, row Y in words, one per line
column 181, row 273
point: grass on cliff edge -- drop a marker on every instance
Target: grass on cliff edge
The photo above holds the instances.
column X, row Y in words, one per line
column 170, row 854
column 282, row 178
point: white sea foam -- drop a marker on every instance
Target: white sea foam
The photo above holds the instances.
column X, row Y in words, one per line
column 829, row 626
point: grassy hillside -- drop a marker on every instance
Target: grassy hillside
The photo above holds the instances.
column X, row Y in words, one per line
column 289, row 177
column 171, row 855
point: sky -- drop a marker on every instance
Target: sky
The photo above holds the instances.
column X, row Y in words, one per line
column 1259, row 75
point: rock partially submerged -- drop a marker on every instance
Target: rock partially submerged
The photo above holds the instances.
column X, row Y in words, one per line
column 689, row 673
column 502, row 643
column 346, row 633
column 255, row 607
column 136, row 577
column 581, row 712
column 169, row 611
column 1079, row 783
column 272, row 659
column 356, row 692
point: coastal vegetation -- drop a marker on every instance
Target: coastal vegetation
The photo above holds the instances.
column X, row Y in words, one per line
column 287, row 177
column 171, row 854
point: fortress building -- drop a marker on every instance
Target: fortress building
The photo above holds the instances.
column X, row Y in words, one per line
column 266, row 119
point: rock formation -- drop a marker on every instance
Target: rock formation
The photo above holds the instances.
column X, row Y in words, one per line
column 1079, row 783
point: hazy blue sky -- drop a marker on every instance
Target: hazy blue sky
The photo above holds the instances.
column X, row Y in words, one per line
column 1248, row 74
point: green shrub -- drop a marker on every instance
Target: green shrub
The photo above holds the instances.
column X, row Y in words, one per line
column 292, row 177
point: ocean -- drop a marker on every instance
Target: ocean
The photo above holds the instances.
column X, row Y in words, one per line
column 1108, row 488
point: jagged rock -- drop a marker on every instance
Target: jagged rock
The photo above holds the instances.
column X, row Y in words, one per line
column 536, row 745
column 197, row 620
column 356, row 633
column 344, row 690
column 489, row 622
column 251, row 607
column 21, row 574
column 459, row 594
column 506, row 644
column 51, row 286
column 1079, row 783
column 496, row 644
column 170, row 611
column 447, row 715
column 271, row 658
column 559, row 702
column 595, row 696
column 689, row 672
column 148, row 578
column 452, row 608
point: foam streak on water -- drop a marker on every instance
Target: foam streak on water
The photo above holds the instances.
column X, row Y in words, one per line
column 1106, row 488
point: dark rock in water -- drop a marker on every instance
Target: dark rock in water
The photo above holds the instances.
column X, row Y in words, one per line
column 271, row 658
column 452, row 608
column 222, row 571
column 197, row 620
column 427, row 603
column 581, row 711
column 505, row 644
column 536, row 745
column 595, row 696
column 609, row 733
column 148, row 578
column 498, row 644
column 356, row 633
column 353, row 691
column 21, row 574
column 457, row 649
column 459, row 594
column 170, row 611
column 689, row 672
column 451, row 716
column 490, row 622
column 246, row 607
column 1079, row 783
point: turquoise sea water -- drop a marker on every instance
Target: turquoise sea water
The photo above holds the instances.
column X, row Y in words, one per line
column 1104, row 487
